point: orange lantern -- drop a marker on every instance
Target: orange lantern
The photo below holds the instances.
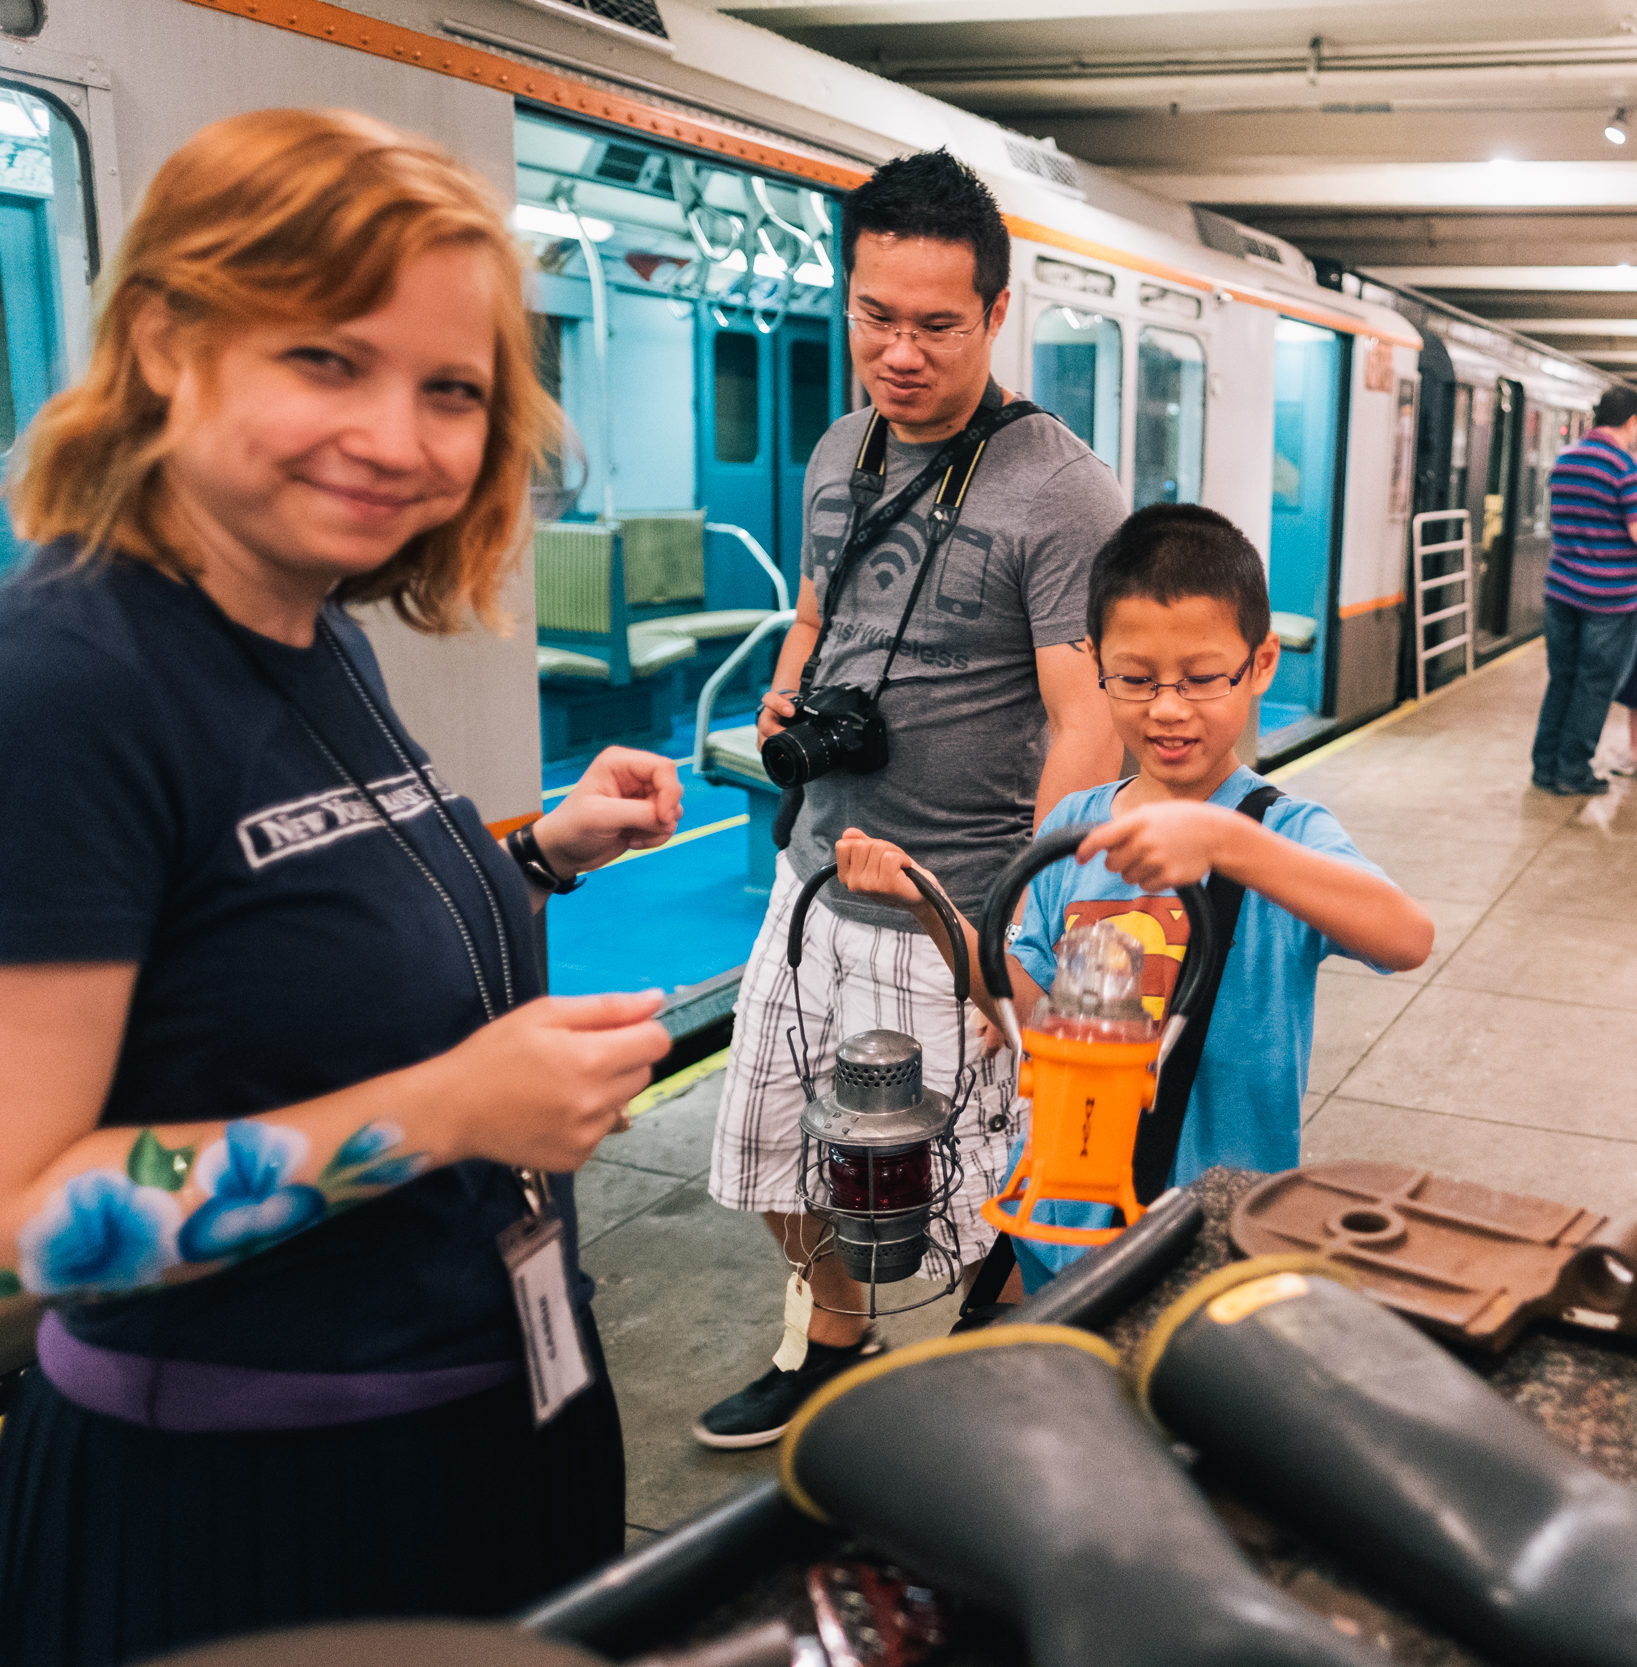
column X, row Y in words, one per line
column 1089, row 1060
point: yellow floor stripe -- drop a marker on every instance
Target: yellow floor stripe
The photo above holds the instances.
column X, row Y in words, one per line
column 1388, row 719
column 684, row 838
column 678, row 1084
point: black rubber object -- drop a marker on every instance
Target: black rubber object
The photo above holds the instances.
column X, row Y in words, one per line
column 648, row 1597
column 1106, row 1281
column 941, row 906
column 1001, row 900
column 1344, row 1418
column 1015, row 1472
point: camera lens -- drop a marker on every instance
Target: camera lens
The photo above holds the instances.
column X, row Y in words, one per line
column 796, row 755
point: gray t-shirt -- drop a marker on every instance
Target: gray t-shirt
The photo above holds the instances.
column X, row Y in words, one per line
column 966, row 730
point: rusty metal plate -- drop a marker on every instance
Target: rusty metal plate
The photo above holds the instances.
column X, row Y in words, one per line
column 1465, row 1260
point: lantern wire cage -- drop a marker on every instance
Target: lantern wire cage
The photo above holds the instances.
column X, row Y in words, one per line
column 893, row 1218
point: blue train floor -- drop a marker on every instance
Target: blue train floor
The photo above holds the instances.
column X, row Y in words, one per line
column 663, row 918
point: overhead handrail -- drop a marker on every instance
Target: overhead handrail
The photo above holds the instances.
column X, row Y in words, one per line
column 781, row 590
column 1462, row 575
column 707, row 695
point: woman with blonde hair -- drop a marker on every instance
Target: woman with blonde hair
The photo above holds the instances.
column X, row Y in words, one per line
column 272, row 1062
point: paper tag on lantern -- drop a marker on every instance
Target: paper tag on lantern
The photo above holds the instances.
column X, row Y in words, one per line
column 798, row 1316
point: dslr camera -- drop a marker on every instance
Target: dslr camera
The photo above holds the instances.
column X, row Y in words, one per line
column 834, row 727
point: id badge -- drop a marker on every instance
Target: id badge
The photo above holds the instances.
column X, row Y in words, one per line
column 532, row 1250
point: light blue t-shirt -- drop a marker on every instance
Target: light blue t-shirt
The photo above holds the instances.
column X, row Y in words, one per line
column 1245, row 1108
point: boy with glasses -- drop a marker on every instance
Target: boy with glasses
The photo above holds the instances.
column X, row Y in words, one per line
column 990, row 714
column 1178, row 620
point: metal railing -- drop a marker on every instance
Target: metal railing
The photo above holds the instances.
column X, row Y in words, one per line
column 1421, row 584
column 781, row 590
column 707, row 696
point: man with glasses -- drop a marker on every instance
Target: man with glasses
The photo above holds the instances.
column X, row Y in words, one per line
column 990, row 712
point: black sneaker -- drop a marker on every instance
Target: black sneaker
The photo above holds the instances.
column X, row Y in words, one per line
column 761, row 1412
column 1591, row 787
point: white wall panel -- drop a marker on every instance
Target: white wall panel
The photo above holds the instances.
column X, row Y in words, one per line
column 471, row 700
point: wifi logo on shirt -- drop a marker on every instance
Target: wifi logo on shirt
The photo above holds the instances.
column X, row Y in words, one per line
column 893, row 557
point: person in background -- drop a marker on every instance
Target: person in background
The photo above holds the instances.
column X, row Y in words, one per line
column 273, row 1054
column 989, row 711
column 1591, row 594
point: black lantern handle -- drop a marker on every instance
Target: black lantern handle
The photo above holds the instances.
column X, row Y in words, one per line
column 941, row 907
column 1001, row 901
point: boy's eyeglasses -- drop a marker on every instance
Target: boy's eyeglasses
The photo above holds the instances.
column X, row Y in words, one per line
column 1213, row 686
column 932, row 339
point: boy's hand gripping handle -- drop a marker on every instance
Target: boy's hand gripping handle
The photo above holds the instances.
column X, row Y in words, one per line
column 1001, row 901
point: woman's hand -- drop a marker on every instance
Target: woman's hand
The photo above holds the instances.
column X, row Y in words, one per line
column 879, row 870
column 1162, row 846
column 625, row 801
column 542, row 1085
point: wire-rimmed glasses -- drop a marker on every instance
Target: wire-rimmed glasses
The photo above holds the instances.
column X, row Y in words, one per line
column 931, row 339
column 1211, row 686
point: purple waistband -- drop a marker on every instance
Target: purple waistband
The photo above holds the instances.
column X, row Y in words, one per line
column 190, row 1396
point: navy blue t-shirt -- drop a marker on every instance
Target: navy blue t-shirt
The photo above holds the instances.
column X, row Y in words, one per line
column 162, row 803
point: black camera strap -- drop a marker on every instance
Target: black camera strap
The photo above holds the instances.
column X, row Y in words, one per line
column 954, row 467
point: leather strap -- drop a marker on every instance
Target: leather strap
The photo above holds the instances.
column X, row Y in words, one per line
column 1160, row 1132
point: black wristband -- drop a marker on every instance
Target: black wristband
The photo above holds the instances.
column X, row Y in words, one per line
column 526, row 853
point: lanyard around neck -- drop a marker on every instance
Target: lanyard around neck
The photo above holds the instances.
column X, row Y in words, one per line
column 399, row 745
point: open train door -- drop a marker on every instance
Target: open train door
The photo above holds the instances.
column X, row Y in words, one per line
column 1309, row 432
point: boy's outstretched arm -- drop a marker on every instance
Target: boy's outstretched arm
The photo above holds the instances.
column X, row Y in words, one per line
column 876, row 868
column 1160, row 846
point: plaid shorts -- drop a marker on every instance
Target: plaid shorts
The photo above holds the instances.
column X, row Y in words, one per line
column 853, row 978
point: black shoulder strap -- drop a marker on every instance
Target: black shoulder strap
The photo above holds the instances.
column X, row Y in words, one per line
column 1160, row 1132
column 953, row 468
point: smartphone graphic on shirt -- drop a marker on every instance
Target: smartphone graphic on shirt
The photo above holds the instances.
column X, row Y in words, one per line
column 963, row 569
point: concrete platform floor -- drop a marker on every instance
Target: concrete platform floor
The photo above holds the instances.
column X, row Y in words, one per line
column 1511, row 1058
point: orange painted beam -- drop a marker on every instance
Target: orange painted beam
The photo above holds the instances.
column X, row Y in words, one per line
column 1353, row 609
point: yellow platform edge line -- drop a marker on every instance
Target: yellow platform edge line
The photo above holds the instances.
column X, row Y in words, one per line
column 680, row 1083
column 684, row 838
column 1387, row 719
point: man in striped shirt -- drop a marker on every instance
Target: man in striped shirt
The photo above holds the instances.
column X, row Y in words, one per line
column 1591, row 594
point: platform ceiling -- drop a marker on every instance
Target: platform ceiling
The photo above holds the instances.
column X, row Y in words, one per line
column 1452, row 146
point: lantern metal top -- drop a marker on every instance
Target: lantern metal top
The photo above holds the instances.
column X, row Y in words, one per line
column 877, row 1099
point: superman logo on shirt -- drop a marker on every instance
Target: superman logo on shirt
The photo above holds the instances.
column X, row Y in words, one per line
column 1159, row 924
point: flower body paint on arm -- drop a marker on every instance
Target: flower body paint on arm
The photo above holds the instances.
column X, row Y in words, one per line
column 103, row 1231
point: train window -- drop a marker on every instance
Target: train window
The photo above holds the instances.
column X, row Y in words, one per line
column 1077, row 366
column 21, row 17
column 809, row 397
column 738, row 397
column 1170, row 437
column 1062, row 274
column 45, row 262
column 1172, row 302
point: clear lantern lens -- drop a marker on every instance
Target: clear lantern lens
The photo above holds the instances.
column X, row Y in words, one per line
column 1097, row 993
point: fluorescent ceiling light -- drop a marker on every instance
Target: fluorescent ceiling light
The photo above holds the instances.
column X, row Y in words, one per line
column 770, row 266
column 553, row 222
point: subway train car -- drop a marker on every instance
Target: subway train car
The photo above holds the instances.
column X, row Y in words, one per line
column 677, row 174
column 1496, row 409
